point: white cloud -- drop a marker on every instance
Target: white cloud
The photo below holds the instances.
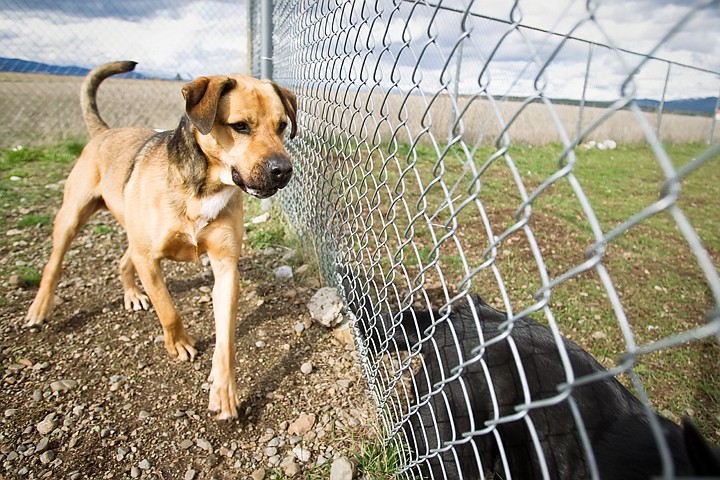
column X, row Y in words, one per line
column 201, row 38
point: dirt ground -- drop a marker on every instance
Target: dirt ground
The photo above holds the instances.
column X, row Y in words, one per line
column 93, row 394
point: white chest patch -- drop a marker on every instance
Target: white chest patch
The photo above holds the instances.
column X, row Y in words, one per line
column 210, row 207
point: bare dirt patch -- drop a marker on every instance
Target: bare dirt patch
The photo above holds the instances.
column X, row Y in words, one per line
column 123, row 408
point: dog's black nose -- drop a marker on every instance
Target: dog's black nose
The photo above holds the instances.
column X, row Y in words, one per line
column 280, row 170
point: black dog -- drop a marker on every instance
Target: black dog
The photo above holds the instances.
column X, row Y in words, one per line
column 616, row 422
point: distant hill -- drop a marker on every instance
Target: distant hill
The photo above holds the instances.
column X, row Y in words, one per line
column 690, row 105
column 16, row 65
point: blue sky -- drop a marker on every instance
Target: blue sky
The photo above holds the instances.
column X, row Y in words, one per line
column 200, row 37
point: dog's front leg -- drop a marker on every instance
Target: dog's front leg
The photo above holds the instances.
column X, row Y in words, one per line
column 177, row 342
column 223, row 389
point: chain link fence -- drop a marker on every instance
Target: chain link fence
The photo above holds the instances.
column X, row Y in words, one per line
column 452, row 149
column 47, row 47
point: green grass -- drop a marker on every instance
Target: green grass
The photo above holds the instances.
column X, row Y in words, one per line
column 662, row 290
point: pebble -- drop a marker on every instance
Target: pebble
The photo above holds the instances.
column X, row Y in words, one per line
column 302, row 454
column 42, row 445
column 342, row 469
column 121, row 452
column 62, row 386
column 204, row 444
column 289, row 466
column 270, row 451
column 144, row 465
column 47, row 425
column 326, row 307
column 284, row 273
column 47, row 457
column 299, row 327
column 260, row 344
column 189, row 475
column 185, row 444
column 10, row 412
column 258, row 474
column 306, row 368
column 37, row 395
column 135, row 472
column 302, row 425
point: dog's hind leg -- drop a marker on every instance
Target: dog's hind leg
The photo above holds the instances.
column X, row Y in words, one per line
column 78, row 205
column 134, row 298
column 177, row 342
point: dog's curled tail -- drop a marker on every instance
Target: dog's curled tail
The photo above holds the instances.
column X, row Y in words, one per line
column 88, row 93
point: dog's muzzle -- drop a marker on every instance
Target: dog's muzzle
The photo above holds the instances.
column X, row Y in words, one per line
column 268, row 178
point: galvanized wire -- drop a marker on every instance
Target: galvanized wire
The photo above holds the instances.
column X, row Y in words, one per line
column 379, row 89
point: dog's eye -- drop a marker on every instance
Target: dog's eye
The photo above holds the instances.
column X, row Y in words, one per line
column 240, row 127
column 281, row 127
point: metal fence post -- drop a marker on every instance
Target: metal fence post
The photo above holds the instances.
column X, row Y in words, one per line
column 266, row 47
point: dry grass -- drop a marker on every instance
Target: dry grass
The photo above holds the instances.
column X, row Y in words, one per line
column 43, row 109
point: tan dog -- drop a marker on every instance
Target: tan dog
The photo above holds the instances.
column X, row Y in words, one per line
column 178, row 195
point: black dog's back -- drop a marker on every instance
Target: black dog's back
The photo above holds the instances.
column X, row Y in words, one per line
column 513, row 368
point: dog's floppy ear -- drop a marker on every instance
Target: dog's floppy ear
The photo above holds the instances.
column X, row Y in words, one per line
column 290, row 103
column 201, row 100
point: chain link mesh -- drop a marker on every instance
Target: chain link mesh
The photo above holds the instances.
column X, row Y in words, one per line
column 416, row 185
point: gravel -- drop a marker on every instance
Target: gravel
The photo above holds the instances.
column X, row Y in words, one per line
column 94, row 395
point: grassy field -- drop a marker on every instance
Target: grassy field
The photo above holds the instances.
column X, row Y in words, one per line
column 652, row 269
column 654, row 272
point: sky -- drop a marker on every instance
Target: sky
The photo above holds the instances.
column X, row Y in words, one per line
column 201, row 37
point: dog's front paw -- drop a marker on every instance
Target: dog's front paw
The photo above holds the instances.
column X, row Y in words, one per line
column 181, row 346
column 136, row 301
column 39, row 311
column 223, row 398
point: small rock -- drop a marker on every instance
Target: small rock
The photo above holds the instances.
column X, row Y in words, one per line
column 325, row 307
column 144, row 465
column 284, row 273
column 302, row 454
column 10, row 412
column 189, row 475
column 42, row 445
column 342, row 469
column 63, row 385
column 289, row 466
column 47, row 457
column 121, row 452
column 47, row 425
column 258, row 474
column 344, row 333
column 302, row 425
column 135, row 472
column 204, row 444
column 185, row 444
column 16, row 281
column 299, row 327
column 306, row 368
column 260, row 344
column 270, row 451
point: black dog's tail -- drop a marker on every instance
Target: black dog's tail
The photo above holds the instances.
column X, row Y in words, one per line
column 88, row 93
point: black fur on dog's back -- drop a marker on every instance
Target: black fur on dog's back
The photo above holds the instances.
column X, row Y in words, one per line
column 616, row 422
